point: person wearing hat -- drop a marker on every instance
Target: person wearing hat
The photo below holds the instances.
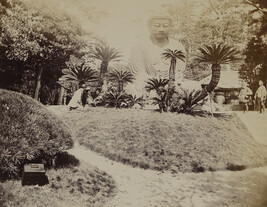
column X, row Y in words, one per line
column 245, row 96
column 146, row 59
column 260, row 97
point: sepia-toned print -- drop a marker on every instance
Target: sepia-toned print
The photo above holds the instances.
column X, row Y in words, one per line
column 133, row 103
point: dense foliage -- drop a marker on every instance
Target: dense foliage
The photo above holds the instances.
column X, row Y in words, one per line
column 35, row 44
column 28, row 131
column 255, row 65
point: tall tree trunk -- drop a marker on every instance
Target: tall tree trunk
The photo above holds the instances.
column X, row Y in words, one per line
column 38, row 83
column 171, row 83
column 103, row 71
column 120, row 86
column 60, row 96
column 215, row 78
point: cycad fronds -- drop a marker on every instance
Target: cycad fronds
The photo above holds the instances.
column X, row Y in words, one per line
column 106, row 53
column 115, row 98
column 79, row 74
column 121, row 77
column 124, row 76
column 217, row 54
column 132, row 100
column 173, row 54
column 155, row 84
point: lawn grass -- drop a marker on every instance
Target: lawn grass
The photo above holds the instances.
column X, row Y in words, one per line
column 167, row 141
column 80, row 186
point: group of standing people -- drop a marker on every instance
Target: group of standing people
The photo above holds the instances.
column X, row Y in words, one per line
column 259, row 97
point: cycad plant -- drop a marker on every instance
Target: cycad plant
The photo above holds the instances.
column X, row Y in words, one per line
column 173, row 55
column 132, row 100
column 105, row 54
column 159, row 86
column 215, row 55
column 79, row 74
column 155, row 84
column 115, row 98
column 121, row 77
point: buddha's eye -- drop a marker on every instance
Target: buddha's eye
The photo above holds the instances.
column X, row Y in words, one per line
column 157, row 25
column 166, row 25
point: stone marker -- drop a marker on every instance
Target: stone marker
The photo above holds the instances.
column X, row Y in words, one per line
column 34, row 174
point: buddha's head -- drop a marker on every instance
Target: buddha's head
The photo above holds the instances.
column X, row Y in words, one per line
column 260, row 83
column 159, row 26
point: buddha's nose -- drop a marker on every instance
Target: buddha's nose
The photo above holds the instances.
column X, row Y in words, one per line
column 161, row 28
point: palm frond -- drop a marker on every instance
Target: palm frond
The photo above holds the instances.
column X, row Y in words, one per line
column 155, row 84
column 124, row 76
column 217, row 54
column 79, row 73
column 173, row 54
column 106, row 53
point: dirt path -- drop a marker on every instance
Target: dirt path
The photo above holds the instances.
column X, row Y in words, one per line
column 143, row 188
column 256, row 124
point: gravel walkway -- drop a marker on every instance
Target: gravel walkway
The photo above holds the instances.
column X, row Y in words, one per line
column 144, row 188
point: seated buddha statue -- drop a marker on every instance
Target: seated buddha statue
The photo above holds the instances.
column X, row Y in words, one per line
column 146, row 58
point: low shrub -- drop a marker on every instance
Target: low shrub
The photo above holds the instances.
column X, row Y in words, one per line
column 28, row 131
column 197, row 168
column 234, row 167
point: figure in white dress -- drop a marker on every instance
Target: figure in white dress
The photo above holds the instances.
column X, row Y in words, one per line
column 76, row 99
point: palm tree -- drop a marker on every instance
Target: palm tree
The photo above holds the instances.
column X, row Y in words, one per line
column 105, row 54
column 215, row 55
column 121, row 77
column 173, row 55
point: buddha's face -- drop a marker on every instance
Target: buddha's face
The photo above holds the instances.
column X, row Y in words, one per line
column 160, row 28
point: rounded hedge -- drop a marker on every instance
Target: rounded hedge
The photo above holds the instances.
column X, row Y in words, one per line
column 28, row 132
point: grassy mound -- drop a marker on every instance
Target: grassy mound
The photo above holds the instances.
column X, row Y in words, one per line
column 28, row 131
column 75, row 186
column 173, row 142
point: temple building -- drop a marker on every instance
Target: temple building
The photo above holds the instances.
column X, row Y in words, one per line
column 228, row 88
